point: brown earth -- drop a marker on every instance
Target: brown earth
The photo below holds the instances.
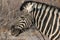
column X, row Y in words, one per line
column 9, row 11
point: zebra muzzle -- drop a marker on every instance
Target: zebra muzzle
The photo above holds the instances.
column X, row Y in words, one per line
column 15, row 31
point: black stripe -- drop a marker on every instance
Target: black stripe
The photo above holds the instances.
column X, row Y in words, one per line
column 49, row 24
column 33, row 11
column 45, row 20
column 54, row 35
column 58, row 37
column 20, row 26
column 36, row 9
column 23, row 22
column 55, row 26
column 59, row 28
column 44, row 12
column 49, row 31
column 39, row 15
column 52, row 17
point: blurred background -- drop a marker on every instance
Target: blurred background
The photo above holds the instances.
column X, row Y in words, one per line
column 9, row 11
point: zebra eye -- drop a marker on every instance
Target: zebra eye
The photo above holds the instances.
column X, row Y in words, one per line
column 22, row 17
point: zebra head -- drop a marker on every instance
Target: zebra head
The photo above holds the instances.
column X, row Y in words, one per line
column 27, row 6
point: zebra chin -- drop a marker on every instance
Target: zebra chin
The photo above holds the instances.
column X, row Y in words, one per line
column 15, row 31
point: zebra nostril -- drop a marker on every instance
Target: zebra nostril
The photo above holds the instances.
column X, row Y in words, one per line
column 13, row 26
column 15, row 31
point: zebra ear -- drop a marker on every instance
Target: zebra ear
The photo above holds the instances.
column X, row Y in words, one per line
column 24, row 3
column 21, row 8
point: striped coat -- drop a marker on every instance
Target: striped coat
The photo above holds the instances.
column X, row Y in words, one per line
column 46, row 18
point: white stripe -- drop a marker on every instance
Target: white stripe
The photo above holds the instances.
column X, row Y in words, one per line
column 53, row 25
column 55, row 12
column 41, row 15
column 37, row 14
column 29, row 7
column 39, row 7
column 23, row 24
column 22, row 21
column 59, row 14
column 44, row 17
column 35, row 9
column 56, row 36
column 48, row 30
column 37, row 17
column 19, row 27
column 55, row 31
column 48, row 21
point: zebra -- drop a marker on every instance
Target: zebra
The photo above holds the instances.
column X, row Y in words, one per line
column 21, row 24
column 45, row 17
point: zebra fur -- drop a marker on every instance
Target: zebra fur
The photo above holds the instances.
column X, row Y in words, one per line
column 46, row 18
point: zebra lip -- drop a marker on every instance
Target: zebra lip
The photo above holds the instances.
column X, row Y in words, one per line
column 20, row 31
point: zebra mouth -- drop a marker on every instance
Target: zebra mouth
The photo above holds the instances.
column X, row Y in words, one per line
column 15, row 31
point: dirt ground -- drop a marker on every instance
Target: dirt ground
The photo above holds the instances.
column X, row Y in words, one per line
column 9, row 11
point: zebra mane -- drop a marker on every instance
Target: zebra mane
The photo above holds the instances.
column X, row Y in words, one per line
column 26, row 2
column 23, row 4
